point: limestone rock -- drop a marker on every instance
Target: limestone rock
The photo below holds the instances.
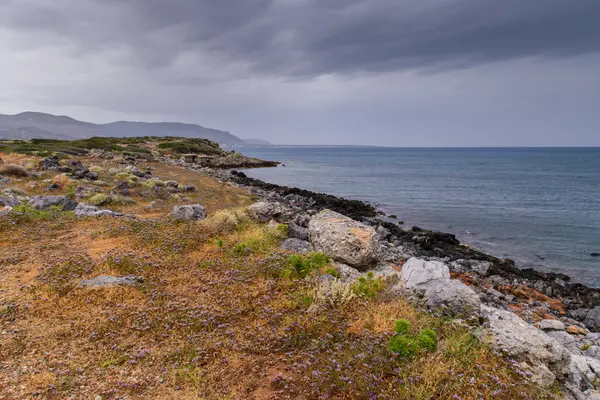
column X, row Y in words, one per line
column 420, row 274
column 265, row 211
column 454, row 298
column 296, row 245
column 86, row 210
column 523, row 342
column 107, row 280
column 552, row 325
column 344, row 239
column 45, row 202
column 192, row 212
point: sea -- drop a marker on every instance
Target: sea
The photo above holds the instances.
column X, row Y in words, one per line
column 537, row 206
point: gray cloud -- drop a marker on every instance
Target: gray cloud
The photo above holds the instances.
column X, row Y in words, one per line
column 308, row 38
column 395, row 72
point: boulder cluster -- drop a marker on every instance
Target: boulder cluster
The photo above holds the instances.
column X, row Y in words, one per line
column 548, row 352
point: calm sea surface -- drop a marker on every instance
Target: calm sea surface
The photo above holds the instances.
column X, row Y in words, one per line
column 540, row 207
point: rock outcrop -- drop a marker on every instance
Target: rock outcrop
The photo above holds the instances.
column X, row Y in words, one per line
column 344, row 239
column 86, row 210
column 45, row 202
column 191, row 212
column 544, row 357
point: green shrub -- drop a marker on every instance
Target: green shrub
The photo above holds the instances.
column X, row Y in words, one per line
column 402, row 326
column 102, row 199
column 428, row 340
column 28, row 212
column 302, row 266
column 404, row 344
column 333, row 272
column 369, row 286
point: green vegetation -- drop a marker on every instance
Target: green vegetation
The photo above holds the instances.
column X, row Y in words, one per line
column 134, row 146
column 25, row 212
column 404, row 344
column 302, row 266
column 369, row 286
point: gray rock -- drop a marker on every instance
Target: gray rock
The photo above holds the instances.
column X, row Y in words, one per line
column 347, row 273
column 45, row 202
column 454, row 298
column 552, row 325
column 8, row 202
column 584, row 373
column 297, row 231
column 192, row 212
column 384, row 270
column 593, row 351
column 172, row 183
column 343, row 239
column 265, row 211
column 188, row 188
column 483, row 268
column 296, row 245
column 106, row 280
column 86, row 210
column 592, row 319
column 568, row 341
column 92, row 176
column 49, row 163
column 523, row 342
column 418, row 274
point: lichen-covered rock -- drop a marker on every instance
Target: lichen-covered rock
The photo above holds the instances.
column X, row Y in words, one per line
column 344, row 239
column 297, row 231
column 296, row 245
column 454, row 298
column 8, row 201
column 347, row 273
column 107, row 280
column 86, row 210
column 523, row 342
column 265, row 211
column 45, row 202
column 191, row 212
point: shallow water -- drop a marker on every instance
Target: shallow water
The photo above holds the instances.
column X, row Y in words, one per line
column 540, row 207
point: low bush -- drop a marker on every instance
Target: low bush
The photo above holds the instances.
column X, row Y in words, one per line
column 369, row 286
column 405, row 344
column 102, row 199
column 14, row 170
column 301, row 265
column 25, row 212
column 333, row 293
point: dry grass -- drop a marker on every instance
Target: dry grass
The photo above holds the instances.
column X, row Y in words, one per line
column 14, row 170
column 209, row 322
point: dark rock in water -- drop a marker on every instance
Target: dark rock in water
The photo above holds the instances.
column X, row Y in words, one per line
column 354, row 209
column 595, row 254
column 393, row 216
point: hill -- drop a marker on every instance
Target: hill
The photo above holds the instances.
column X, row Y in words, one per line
column 32, row 125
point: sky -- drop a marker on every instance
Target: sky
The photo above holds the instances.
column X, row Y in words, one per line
column 377, row 72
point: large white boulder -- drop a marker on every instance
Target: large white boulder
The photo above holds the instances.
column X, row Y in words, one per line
column 264, row 211
column 421, row 274
column 344, row 239
column 547, row 359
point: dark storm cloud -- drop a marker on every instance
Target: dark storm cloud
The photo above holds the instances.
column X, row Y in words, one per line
column 304, row 38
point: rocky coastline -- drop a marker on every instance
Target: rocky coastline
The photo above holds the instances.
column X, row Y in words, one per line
column 541, row 319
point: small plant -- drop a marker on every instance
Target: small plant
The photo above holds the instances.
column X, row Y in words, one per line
column 302, row 266
column 369, row 286
column 333, row 272
column 220, row 243
column 333, row 293
column 27, row 212
column 14, row 170
column 405, row 344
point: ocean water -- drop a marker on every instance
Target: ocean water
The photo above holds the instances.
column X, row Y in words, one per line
column 540, row 207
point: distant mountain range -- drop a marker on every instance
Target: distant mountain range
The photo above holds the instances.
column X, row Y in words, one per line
column 31, row 125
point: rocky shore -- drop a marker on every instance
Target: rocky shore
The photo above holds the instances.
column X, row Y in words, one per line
column 540, row 319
